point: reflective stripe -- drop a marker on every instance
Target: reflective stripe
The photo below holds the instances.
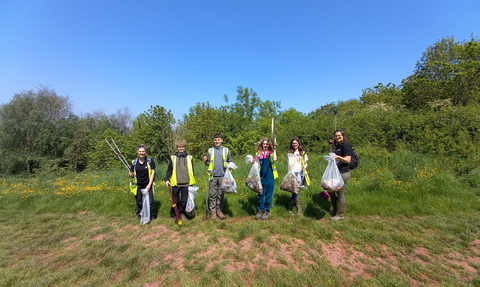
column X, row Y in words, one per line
column 191, row 178
column 272, row 164
column 211, row 152
column 133, row 182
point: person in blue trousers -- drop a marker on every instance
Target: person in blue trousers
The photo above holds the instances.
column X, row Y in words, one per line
column 266, row 157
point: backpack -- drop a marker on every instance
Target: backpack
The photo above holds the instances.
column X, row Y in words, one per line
column 354, row 161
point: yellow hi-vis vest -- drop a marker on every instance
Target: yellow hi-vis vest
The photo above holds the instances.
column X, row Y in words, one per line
column 272, row 163
column 173, row 179
column 211, row 152
column 133, row 181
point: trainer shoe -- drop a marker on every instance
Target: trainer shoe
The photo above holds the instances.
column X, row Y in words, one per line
column 337, row 218
column 259, row 214
column 265, row 214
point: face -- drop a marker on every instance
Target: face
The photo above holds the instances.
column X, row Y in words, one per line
column 295, row 145
column 181, row 148
column 265, row 145
column 141, row 152
column 339, row 137
column 218, row 142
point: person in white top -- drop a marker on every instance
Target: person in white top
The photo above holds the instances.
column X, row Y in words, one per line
column 297, row 162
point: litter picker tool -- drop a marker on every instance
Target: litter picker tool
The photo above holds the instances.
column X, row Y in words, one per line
column 118, row 153
column 274, row 133
column 178, row 219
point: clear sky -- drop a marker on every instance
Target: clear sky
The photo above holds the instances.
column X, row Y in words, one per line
column 107, row 55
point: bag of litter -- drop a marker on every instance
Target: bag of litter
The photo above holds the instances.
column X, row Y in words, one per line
column 145, row 213
column 290, row 182
column 331, row 179
column 229, row 185
column 190, row 208
column 253, row 179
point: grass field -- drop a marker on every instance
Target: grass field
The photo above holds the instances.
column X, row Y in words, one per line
column 409, row 222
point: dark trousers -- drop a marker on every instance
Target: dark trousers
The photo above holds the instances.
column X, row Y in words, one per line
column 180, row 194
column 139, row 200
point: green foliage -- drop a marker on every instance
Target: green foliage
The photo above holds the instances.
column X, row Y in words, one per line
column 435, row 111
column 32, row 127
column 154, row 129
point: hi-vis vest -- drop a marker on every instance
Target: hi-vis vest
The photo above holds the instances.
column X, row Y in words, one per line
column 173, row 179
column 133, row 181
column 211, row 152
column 272, row 163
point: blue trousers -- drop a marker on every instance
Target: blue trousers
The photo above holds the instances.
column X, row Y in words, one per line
column 265, row 199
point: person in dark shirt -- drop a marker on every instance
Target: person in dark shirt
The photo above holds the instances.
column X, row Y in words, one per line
column 343, row 154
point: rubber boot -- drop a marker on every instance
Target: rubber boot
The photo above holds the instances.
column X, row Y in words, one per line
column 340, row 212
column 299, row 207
column 290, row 206
column 333, row 199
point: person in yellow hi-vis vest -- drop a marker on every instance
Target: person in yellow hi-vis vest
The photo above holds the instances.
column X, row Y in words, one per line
column 180, row 176
column 217, row 158
column 142, row 170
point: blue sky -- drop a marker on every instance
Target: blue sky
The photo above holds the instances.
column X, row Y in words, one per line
column 107, row 55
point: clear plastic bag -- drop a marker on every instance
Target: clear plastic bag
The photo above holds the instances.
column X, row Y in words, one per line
column 332, row 179
column 290, row 183
column 145, row 213
column 192, row 192
column 253, row 179
column 229, row 185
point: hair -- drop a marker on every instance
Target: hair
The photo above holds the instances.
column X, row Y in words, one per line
column 217, row 135
column 300, row 147
column 180, row 143
column 345, row 140
column 142, row 146
column 260, row 144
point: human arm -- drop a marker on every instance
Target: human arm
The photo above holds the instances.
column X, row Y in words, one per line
column 305, row 162
column 168, row 173
column 150, row 181
column 345, row 159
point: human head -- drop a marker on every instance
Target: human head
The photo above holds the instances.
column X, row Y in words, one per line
column 269, row 144
column 217, row 139
column 340, row 136
column 141, row 151
column 180, row 145
column 293, row 142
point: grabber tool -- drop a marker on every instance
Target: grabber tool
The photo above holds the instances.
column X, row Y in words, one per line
column 118, row 153
column 178, row 218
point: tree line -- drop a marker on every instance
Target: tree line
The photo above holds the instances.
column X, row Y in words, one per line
column 435, row 110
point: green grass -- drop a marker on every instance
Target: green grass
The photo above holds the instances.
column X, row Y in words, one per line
column 409, row 221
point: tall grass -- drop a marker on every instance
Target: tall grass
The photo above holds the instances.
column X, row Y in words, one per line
column 81, row 229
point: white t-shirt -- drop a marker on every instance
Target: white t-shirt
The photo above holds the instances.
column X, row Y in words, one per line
column 295, row 161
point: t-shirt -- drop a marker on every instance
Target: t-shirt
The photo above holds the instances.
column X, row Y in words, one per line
column 343, row 150
column 142, row 171
column 295, row 161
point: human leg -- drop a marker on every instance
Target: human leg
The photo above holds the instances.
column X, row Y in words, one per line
column 340, row 198
column 139, row 200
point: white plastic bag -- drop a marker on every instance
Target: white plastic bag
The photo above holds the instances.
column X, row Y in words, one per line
column 229, row 185
column 332, row 179
column 145, row 213
column 290, row 182
column 253, row 179
column 192, row 192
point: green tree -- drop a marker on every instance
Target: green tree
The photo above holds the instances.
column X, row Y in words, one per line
column 34, row 131
column 154, row 128
column 448, row 70
column 199, row 126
